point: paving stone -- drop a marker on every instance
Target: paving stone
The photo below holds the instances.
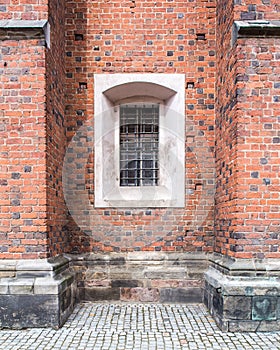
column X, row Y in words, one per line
column 145, row 326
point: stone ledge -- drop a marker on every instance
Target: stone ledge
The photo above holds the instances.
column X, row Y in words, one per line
column 140, row 276
column 138, row 256
column 34, row 268
column 37, row 277
column 247, row 286
column 245, row 267
column 42, row 285
column 23, row 24
column 25, row 29
column 53, row 286
column 256, row 28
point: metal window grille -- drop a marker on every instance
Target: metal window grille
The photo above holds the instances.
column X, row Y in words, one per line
column 139, row 145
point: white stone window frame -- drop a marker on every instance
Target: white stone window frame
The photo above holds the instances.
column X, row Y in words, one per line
column 111, row 90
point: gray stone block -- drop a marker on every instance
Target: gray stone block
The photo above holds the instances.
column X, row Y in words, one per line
column 101, row 293
column 22, row 311
column 243, row 303
column 46, row 285
column 245, row 267
column 237, row 307
column 4, row 285
column 21, row 286
column 165, row 272
column 181, row 295
column 126, row 283
column 28, row 300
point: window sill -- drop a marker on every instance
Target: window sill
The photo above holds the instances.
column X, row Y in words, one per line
column 138, row 197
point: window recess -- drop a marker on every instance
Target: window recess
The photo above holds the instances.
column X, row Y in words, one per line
column 139, row 145
column 139, row 131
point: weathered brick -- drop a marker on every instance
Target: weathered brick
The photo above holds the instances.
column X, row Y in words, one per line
column 47, row 94
column 245, row 124
column 130, row 37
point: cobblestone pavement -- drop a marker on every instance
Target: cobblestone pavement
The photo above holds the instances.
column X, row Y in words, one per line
column 137, row 326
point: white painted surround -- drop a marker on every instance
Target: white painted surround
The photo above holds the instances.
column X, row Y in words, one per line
column 110, row 90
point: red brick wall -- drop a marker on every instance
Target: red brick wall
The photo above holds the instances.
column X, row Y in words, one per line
column 247, row 137
column 24, row 9
column 144, row 37
column 258, row 149
column 56, row 130
column 22, row 150
column 247, row 10
column 226, row 127
column 33, row 135
column 141, row 37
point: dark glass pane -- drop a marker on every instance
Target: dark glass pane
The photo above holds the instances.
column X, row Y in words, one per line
column 139, row 145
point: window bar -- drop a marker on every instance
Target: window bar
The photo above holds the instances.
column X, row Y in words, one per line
column 139, row 145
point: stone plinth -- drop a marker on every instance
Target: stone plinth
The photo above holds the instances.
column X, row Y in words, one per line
column 35, row 293
column 243, row 295
column 141, row 276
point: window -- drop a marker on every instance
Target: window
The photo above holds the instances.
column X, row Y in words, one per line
column 139, row 145
column 139, row 128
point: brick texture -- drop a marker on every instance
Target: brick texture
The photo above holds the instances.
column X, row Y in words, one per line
column 247, row 10
column 24, row 9
column 23, row 150
column 247, row 142
column 144, row 37
column 32, row 128
column 226, row 126
column 47, row 94
column 56, row 131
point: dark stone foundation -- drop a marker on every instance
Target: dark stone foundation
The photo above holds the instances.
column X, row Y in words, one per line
column 140, row 277
column 243, row 295
column 36, row 293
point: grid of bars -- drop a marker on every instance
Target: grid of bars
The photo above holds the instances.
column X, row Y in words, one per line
column 139, row 145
